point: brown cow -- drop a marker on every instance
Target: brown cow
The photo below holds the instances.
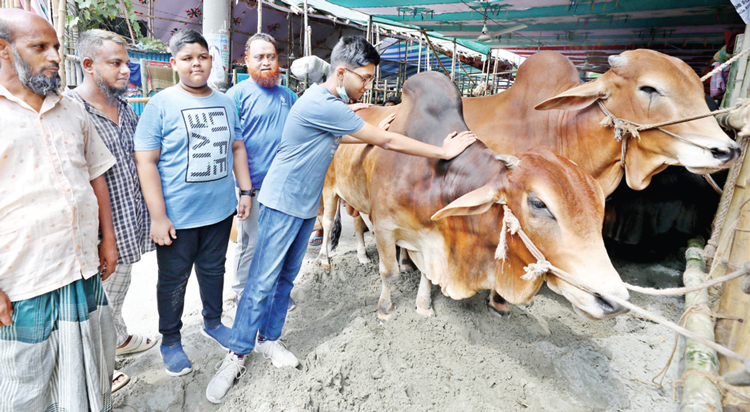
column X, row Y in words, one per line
column 559, row 206
column 643, row 86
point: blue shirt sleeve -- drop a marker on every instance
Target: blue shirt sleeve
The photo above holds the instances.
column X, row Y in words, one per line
column 336, row 118
column 235, row 94
column 148, row 133
column 237, row 127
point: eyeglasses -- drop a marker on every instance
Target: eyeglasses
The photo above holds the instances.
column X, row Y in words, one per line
column 365, row 80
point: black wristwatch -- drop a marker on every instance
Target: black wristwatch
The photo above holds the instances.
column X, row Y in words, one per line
column 250, row 192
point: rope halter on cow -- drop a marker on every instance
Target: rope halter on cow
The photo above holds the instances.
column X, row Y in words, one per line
column 513, row 226
column 625, row 129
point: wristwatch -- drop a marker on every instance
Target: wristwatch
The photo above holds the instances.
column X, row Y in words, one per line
column 251, row 192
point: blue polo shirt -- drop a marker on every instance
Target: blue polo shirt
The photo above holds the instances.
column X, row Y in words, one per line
column 312, row 134
column 263, row 112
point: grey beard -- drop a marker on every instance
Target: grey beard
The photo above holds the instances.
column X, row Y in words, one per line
column 38, row 83
column 111, row 92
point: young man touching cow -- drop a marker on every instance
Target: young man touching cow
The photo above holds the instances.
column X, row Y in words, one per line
column 290, row 196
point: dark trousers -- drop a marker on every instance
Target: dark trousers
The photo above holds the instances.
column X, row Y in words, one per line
column 206, row 248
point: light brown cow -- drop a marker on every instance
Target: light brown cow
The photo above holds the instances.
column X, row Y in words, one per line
column 557, row 203
column 548, row 107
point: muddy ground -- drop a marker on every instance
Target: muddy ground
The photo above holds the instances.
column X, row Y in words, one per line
column 540, row 358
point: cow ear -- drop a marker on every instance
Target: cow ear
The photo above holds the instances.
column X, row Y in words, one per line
column 576, row 98
column 475, row 202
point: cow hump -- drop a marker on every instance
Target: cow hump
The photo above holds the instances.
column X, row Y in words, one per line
column 434, row 107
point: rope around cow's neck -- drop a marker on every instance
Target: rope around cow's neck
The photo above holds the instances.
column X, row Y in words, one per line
column 542, row 266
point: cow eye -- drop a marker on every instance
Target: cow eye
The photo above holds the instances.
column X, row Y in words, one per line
column 649, row 90
column 539, row 206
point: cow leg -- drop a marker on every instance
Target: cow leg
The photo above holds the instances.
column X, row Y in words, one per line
column 406, row 262
column 424, row 297
column 389, row 271
column 359, row 231
column 497, row 304
column 330, row 207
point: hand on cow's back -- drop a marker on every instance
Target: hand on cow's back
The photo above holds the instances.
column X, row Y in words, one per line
column 455, row 143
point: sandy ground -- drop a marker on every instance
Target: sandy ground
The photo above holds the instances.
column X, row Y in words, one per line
column 541, row 358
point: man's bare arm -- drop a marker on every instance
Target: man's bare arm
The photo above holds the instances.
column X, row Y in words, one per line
column 108, row 245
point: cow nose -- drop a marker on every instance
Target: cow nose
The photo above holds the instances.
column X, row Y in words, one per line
column 726, row 154
column 610, row 308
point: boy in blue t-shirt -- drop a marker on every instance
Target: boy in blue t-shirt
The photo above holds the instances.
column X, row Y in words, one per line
column 186, row 143
column 315, row 126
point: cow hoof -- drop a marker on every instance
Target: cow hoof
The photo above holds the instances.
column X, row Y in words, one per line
column 363, row 259
column 525, row 306
column 498, row 312
column 383, row 316
column 325, row 265
column 425, row 312
column 498, row 308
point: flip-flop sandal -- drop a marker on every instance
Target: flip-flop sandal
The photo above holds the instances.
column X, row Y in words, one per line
column 316, row 241
column 119, row 380
column 137, row 343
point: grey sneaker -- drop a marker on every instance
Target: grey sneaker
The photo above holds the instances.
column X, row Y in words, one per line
column 275, row 350
column 228, row 370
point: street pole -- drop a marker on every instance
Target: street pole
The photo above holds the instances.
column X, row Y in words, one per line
column 369, row 29
column 453, row 62
column 216, row 24
column 307, row 50
column 419, row 59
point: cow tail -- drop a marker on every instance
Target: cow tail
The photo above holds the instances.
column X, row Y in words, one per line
column 336, row 229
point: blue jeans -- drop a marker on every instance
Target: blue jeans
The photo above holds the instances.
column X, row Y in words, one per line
column 206, row 248
column 280, row 250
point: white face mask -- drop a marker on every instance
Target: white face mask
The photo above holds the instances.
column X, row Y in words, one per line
column 341, row 90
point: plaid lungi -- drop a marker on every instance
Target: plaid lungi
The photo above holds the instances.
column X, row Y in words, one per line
column 59, row 353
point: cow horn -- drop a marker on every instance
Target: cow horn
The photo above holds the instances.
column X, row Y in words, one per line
column 511, row 162
column 617, row 60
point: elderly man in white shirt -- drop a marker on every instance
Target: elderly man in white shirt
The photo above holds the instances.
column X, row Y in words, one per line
column 57, row 340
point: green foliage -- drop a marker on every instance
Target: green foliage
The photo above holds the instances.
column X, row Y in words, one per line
column 147, row 43
column 99, row 14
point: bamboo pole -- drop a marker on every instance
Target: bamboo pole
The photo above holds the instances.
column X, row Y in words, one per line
column 487, row 79
column 138, row 99
column 260, row 16
column 306, row 36
column 732, row 251
column 151, row 22
column 700, row 394
column 419, row 58
column 59, row 8
column 127, row 20
column 453, row 62
column 427, row 52
column 369, row 29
